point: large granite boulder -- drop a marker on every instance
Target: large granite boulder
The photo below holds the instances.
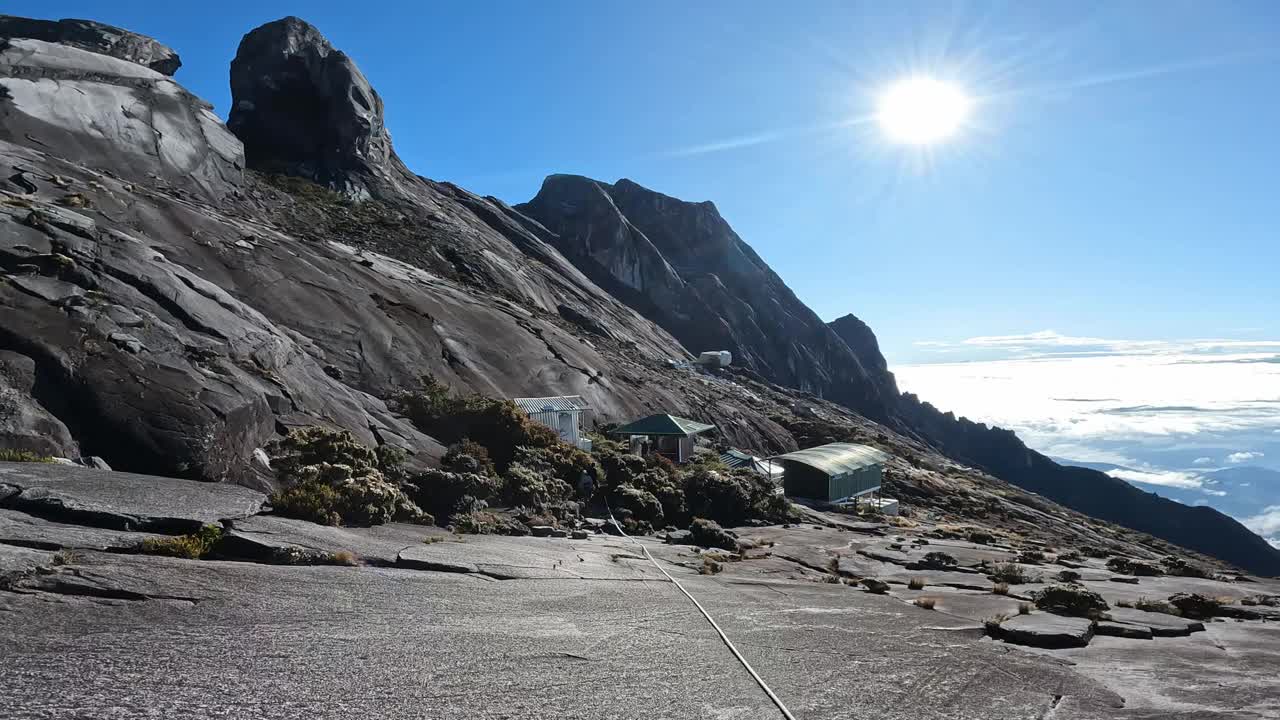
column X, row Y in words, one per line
column 303, row 108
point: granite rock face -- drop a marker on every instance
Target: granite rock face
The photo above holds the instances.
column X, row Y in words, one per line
column 97, row 38
column 303, row 108
column 171, row 312
column 681, row 265
column 110, row 113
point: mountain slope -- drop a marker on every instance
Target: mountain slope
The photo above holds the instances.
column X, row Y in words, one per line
column 175, row 309
column 680, row 264
column 174, row 295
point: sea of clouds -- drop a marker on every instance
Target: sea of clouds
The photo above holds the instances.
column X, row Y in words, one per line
column 1195, row 420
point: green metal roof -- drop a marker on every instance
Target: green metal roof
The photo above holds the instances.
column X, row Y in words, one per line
column 664, row 425
column 837, row 458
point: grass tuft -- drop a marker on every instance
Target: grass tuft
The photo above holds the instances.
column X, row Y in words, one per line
column 191, row 547
column 66, row 557
column 1024, row 608
column 926, row 602
column 343, row 557
column 916, row 583
column 1000, row 588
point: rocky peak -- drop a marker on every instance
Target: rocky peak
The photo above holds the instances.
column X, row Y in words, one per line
column 96, row 38
column 680, row 264
column 303, row 108
column 862, row 341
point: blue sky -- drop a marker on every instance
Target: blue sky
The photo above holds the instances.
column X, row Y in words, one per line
column 1119, row 178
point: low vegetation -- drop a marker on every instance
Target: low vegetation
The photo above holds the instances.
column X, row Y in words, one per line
column 331, row 478
column 1160, row 606
column 1010, row 573
column 916, row 583
column 1129, row 566
column 194, row 546
column 1000, row 588
column 25, row 456
column 709, row 534
column 1070, row 599
column 1025, row 608
column 927, row 603
column 66, row 557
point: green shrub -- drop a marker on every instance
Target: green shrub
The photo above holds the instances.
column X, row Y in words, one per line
column 468, row 456
column 717, row 495
column 1128, row 566
column 535, row 487
column 1012, row 574
column 447, row 493
column 482, row 522
column 331, row 478
column 11, row 455
column 191, row 547
column 1069, row 599
column 638, row 505
column 497, row 425
column 707, row 533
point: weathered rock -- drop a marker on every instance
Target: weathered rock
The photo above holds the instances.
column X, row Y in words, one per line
column 262, row 537
column 1160, row 624
column 303, row 108
column 110, row 113
column 1122, row 629
column 1128, row 579
column 875, row 586
column 123, row 501
column 1047, row 631
column 25, row 424
column 19, row 528
column 95, row 37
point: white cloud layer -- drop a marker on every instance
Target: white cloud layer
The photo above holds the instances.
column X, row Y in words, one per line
column 1237, row 458
column 1152, row 390
column 1265, row 523
column 1168, row 478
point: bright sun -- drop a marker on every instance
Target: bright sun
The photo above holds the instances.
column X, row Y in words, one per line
column 920, row 110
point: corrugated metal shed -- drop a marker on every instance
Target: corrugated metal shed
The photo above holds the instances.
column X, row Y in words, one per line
column 833, row 472
column 659, row 425
column 563, row 403
column 837, row 458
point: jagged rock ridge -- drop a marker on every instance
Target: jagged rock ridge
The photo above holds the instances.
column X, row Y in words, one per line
column 681, row 265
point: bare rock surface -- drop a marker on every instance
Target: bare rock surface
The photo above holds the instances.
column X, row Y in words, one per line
column 22, row 529
column 97, row 38
column 513, row 633
column 264, row 536
column 1047, row 631
column 122, row 500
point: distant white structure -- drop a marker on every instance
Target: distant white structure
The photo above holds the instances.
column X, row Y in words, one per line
column 715, row 358
column 562, row 414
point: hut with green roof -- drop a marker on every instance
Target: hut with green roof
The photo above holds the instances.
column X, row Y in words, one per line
column 668, row 435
